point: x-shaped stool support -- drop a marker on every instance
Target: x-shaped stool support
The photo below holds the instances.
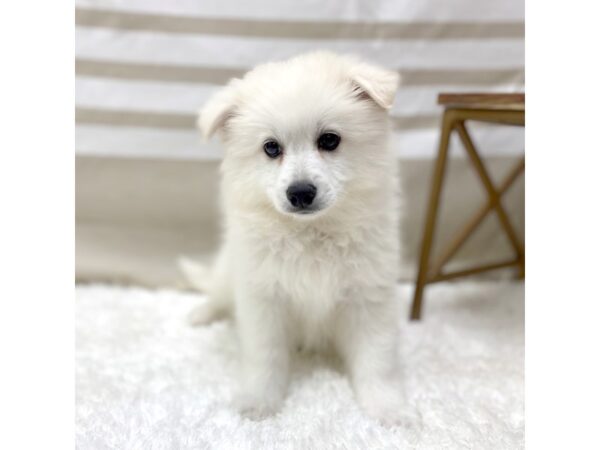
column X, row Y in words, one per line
column 454, row 120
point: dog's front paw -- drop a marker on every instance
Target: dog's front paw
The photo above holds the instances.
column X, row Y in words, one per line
column 258, row 406
column 386, row 403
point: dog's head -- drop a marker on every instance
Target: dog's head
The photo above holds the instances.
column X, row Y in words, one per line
column 303, row 133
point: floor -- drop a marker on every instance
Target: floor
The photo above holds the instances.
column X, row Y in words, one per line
column 146, row 380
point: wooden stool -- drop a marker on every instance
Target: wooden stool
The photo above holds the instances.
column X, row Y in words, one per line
column 506, row 109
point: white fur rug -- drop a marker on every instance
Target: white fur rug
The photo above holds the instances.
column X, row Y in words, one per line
column 146, row 380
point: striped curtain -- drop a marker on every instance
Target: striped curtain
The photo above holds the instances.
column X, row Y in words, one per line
column 145, row 67
column 146, row 184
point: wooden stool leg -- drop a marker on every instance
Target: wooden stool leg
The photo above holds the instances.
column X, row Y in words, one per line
column 430, row 220
column 521, row 270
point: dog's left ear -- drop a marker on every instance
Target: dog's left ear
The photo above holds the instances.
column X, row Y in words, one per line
column 377, row 83
column 218, row 109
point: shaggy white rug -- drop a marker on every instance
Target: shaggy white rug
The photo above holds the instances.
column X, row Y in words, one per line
column 146, row 380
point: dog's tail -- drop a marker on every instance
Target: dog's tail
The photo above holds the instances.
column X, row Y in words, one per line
column 216, row 305
column 198, row 276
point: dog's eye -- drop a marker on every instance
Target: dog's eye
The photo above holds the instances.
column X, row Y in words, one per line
column 328, row 141
column 272, row 149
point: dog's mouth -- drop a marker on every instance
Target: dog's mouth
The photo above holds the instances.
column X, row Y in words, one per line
column 306, row 212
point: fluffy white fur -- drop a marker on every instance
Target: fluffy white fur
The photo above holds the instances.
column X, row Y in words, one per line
column 146, row 381
column 323, row 281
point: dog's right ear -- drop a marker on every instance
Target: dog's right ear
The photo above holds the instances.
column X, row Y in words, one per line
column 218, row 109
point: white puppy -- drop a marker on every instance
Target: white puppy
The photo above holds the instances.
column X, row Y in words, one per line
column 311, row 245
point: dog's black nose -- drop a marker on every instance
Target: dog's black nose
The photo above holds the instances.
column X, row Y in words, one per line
column 301, row 194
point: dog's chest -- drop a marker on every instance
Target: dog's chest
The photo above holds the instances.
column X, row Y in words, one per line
column 313, row 271
column 313, row 267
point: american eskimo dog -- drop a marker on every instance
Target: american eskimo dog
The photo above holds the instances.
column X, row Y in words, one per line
column 311, row 241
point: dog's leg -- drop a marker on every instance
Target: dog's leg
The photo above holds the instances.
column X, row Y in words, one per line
column 366, row 337
column 265, row 355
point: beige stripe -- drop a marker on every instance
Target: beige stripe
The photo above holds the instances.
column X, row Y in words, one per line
column 297, row 29
column 134, row 118
column 134, row 71
column 147, row 119
column 462, row 77
column 218, row 75
column 416, row 122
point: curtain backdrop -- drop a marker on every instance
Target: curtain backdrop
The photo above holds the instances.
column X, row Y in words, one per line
column 145, row 67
